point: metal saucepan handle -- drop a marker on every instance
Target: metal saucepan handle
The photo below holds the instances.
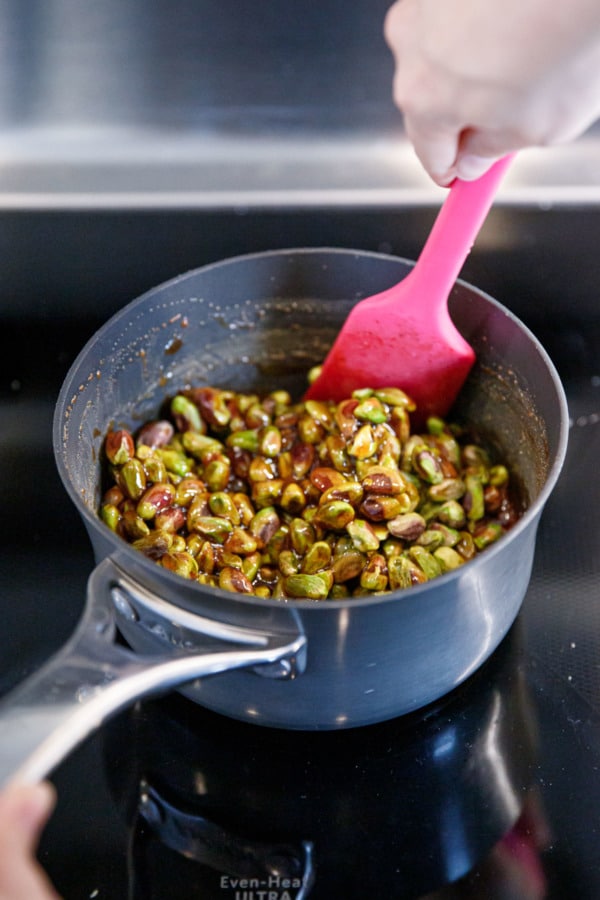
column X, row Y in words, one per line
column 92, row 678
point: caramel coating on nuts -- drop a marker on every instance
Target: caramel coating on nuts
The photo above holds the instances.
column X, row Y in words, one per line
column 310, row 500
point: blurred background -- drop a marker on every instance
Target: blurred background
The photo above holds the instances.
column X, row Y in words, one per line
column 141, row 139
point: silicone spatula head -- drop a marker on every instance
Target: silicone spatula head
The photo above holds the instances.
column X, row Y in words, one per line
column 404, row 337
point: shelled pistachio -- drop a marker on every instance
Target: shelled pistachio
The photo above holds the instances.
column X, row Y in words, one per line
column 303, row 500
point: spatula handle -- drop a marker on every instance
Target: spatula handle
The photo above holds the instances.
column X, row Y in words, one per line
column 455, row 229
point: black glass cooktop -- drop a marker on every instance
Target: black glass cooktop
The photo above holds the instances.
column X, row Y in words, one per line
column 492, row 793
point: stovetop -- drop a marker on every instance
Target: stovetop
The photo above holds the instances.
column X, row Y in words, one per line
column 169, row 800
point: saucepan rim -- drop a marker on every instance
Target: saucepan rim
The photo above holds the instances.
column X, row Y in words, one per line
column 412, row 594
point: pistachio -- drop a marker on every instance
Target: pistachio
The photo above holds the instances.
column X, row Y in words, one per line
column 451, row 513
column 281, row 499
column 206, row 558
column 155, row 544
column 110, row 515
column 114, row 495
column 339, row 592
column 241, row 542
column 214, row 528
column 493, row 498
column 302, row 459
column 350, row 491
column 176, row 462
column 232, row 579
column 278, row 542
column 499, row 476
column 186, row 415
column 257, row 417
column 132, row 478
column 155, row 434
column 302, row 535
column 309, row 587
column 487, row 535
column 409, row 526
column 426, row 561
column 400, row 422
column 285, row 467
column 119, row 447
column 244, row 507
column 314, row 373
column 310, row 430
column 334, row 515
column 466, row 545
column 179, row 544
column 374, row 575
column 292, row 499
column 250, row 566
column 363, row 535
column 213, row 405
column 427, row 464
column 267, row 493
column 473, row 502
column 348, row 566
column 320, row 412
column 324, row 478
column 317, row 557
column 269, row 443
column 158, row 497
column 475, row 456
column 364, row 445
column 448, row 558
column 447, row 489
column 246, row 439
column 188, row 489
column 384, row 480
column 217, row 473
column 201, row 446
column 132, row 525
column 430, row 539
column 371, row 410
column 402, row 573
column 435, row 425
column 262, row 469
column 378, row 507
column 222, row 504
column 181, row 563
column 288, row 562
column 395, row 397
column 450, row 536
column 154, row 467
column 264, row 524
column 171, row 519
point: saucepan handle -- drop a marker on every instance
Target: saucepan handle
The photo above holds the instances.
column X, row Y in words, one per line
column 93, row 677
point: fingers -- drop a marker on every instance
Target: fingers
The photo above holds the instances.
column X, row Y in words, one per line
column 24, row 810
column 447, row 155
column 437, row 152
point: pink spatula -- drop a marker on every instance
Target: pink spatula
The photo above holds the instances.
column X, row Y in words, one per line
column 404, row 337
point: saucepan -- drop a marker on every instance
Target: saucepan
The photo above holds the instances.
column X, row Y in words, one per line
column 258, row 322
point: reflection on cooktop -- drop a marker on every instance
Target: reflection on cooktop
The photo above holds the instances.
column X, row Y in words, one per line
column 395, row 809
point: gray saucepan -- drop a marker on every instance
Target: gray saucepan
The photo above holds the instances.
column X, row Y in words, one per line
column 256, row 322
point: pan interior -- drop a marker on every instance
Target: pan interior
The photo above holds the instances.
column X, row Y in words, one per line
column 259, row 323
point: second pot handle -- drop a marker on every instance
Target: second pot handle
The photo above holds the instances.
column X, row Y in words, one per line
column 92, row 678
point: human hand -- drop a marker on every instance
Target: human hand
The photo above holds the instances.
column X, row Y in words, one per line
column 476, row 80
column 24, row 810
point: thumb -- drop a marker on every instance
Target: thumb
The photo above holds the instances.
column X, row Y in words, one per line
column 27, row 808
column 24, row 810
